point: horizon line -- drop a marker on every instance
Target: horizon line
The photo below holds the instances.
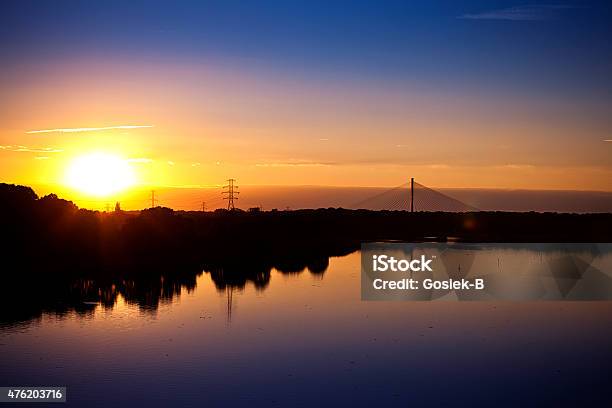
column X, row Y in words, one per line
column 148, row 187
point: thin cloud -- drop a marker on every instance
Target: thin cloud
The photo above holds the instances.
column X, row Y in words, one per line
column 295, row 164
column 88, row 129
column 17, row 148
column 607, row 140
column 534, row 12
column 518, row 166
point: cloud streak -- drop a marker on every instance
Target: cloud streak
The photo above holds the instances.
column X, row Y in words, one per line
column 521, row 13
column 18, row 148
column 88, row 129
column 299, row 163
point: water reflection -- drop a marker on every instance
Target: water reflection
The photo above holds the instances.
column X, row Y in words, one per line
column 30, row 294
column 316, row 340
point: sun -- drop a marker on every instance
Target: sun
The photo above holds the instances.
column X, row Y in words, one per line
column 100, row 174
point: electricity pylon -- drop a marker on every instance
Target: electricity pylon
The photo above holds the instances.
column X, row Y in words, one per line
column 232, row 193
column 153, row 199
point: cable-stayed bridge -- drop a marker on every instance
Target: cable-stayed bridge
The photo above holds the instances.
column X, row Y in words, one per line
column 413, row 196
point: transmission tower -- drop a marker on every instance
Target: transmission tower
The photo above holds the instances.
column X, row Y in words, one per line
column 230, row 194
column 412, row 194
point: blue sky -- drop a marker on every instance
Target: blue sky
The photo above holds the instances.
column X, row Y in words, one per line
column 561, row 46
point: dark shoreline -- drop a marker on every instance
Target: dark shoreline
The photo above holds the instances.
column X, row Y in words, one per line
column 55, row 235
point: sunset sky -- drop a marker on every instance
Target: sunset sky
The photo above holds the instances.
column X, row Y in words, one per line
column 495, row 94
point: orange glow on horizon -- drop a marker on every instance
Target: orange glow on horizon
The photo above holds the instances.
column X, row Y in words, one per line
column 194, row 123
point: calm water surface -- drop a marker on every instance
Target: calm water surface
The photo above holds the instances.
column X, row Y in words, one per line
column 308, row 340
